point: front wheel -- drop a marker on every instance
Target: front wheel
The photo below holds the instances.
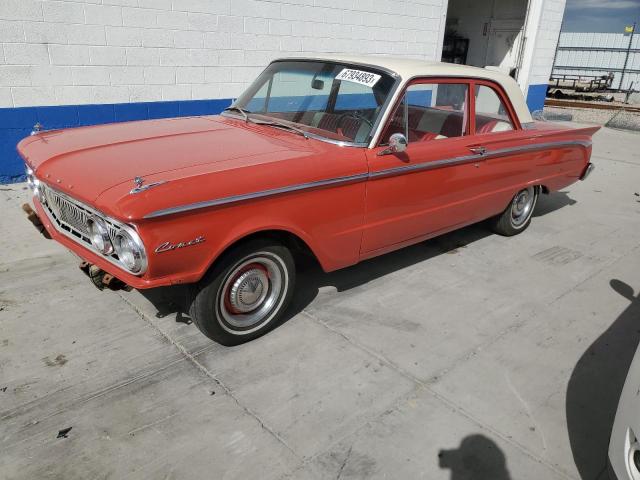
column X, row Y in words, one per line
column 245, row 294
column 517, row 216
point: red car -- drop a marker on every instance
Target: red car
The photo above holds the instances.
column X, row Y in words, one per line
column 344, row 158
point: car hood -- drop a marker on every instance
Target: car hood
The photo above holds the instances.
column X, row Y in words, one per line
column 86, row 162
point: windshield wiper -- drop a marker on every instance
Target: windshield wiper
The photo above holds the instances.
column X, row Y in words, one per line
column 271, row 123
column 245, row 113
column 286, row 126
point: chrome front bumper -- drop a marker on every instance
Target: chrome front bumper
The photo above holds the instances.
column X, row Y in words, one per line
column 587, row 171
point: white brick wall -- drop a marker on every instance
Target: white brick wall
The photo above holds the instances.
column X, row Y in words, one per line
column 60, row 52
column 546, row 41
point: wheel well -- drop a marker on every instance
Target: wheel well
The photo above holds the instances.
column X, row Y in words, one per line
column 544, row 189
column 295, row 244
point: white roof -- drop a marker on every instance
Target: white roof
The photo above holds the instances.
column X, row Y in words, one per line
column 408, row 68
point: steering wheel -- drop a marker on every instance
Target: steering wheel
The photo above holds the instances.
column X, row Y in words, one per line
column 356, row 115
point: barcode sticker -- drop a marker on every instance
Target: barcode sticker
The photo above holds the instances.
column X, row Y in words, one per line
column 358, row 76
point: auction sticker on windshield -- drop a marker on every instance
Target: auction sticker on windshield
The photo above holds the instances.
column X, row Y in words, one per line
column 358, row 76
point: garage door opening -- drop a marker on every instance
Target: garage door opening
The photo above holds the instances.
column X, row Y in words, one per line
column 486, row 33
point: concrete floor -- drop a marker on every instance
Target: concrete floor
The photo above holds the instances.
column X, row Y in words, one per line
column 471, row 356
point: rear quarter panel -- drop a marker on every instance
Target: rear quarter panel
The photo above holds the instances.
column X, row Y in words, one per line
column 549, row 155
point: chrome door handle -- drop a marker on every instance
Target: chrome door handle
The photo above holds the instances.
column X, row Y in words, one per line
column 478, row 150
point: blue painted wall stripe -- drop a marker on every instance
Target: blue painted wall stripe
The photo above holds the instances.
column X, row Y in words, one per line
column 535, row 97
column 17, row 123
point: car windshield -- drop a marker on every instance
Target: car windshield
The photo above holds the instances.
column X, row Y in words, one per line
column 326, row 99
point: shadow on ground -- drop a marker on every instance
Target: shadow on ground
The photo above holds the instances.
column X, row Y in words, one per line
column 311, row 278
column 595, row 386
column 477, row 458
column 550, row 203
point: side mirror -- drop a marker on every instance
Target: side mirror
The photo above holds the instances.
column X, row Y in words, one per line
column 397, row 144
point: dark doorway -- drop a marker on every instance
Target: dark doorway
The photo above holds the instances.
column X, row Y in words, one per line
column 486, row 33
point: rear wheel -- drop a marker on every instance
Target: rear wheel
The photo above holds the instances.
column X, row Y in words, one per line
column 517, row 216
column 245, row 294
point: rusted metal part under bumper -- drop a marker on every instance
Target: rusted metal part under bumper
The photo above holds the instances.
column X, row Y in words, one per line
column 102, row 279
column 33, row 217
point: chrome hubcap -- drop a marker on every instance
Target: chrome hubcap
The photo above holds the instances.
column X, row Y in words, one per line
column 251, row 292
column 522, row 206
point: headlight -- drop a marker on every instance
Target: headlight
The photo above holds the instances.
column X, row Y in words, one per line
column 130, row 250
column 38, row 191
column 30, row 177
column 35, row 186
column 99, row 234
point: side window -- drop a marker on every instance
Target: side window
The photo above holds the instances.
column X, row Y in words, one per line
column 491, row 113
column 431, row 111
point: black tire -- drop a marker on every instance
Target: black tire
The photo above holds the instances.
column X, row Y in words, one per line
column 261, row 270
column 515, row 219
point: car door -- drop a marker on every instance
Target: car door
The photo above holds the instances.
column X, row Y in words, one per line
column 509, row 164
column 429, row 188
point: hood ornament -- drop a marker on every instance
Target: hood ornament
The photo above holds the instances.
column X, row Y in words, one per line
column 141, row 187
column 37, row 128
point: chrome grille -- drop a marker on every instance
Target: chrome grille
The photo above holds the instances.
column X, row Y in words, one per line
column 70, row 216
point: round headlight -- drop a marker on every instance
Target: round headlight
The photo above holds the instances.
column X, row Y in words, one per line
column 38, row 192
column 99, row 234
column 30, row 177
column 130, row 250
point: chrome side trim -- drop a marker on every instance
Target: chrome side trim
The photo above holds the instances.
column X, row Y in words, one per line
column 264, row 193
column 448, row 162
column 538, row 146
column 389, row 172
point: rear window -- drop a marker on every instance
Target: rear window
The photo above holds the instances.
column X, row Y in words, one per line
column 492, row 115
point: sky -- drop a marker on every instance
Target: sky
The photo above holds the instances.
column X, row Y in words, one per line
column 600, row 15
